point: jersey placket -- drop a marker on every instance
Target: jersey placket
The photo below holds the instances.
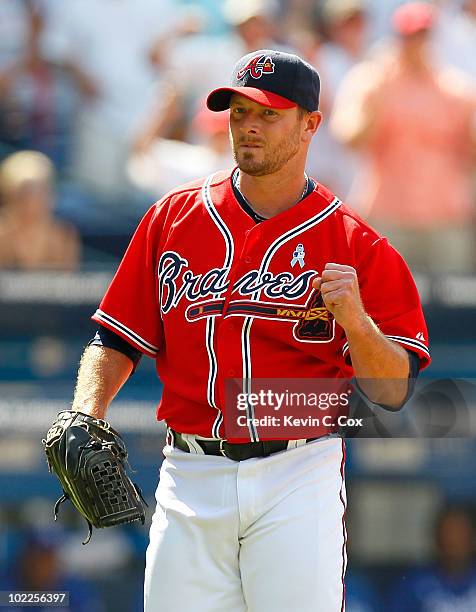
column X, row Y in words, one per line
column 234, row 351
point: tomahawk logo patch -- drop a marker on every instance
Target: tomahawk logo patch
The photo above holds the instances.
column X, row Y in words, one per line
column 204, row 292
column 259, row 65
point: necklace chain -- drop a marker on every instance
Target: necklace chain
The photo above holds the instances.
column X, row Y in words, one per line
column 306, row 187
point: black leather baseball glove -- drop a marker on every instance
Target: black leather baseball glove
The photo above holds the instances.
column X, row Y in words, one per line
column 89, row 458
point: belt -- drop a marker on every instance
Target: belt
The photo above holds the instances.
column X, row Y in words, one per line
column 236, row 452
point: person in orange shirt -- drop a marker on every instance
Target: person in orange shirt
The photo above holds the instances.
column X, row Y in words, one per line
column 415, row 123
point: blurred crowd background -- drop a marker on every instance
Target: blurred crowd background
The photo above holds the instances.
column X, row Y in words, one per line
column 101, row 113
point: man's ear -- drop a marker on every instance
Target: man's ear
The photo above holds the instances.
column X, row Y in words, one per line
column 312, row 122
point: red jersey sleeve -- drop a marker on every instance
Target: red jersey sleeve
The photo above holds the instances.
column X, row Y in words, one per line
column 130, row 307
column 390, row 297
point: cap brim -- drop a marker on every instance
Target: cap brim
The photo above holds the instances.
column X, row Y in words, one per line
column 219, row 99
column 404, row 33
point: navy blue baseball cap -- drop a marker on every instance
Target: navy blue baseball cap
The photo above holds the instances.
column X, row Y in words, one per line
column 271, row 78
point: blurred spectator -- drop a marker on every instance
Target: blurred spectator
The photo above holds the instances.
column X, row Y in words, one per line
column 451, row 584
column 297, row 14
column 110, row 42
column 198, row 63
column 169, row 163
column 254, row 24
column 38, row 568
column 416, row 122
column 346, row 26
column 30, row 237
column 37, row 99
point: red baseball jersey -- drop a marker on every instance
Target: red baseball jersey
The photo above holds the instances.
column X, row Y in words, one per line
column 212, row 295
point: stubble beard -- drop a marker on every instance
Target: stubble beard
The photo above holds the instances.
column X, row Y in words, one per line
column 273, row 160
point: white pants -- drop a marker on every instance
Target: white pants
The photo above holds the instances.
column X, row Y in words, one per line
column 261, row 535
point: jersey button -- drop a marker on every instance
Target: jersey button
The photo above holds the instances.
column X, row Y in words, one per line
column 248, row 260
column 231, row 373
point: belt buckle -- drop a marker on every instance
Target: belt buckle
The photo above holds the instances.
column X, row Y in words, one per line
column 221, row 449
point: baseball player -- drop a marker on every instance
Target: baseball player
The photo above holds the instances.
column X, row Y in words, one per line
column 211, row 287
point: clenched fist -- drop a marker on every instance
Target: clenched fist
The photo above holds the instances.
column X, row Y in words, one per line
column 339, row 287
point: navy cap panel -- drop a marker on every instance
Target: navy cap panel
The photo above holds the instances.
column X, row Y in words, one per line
column 283, row 74
column 295, row 82
column 263, row 70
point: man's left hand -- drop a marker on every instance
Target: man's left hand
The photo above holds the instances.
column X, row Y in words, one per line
column 339, row 287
